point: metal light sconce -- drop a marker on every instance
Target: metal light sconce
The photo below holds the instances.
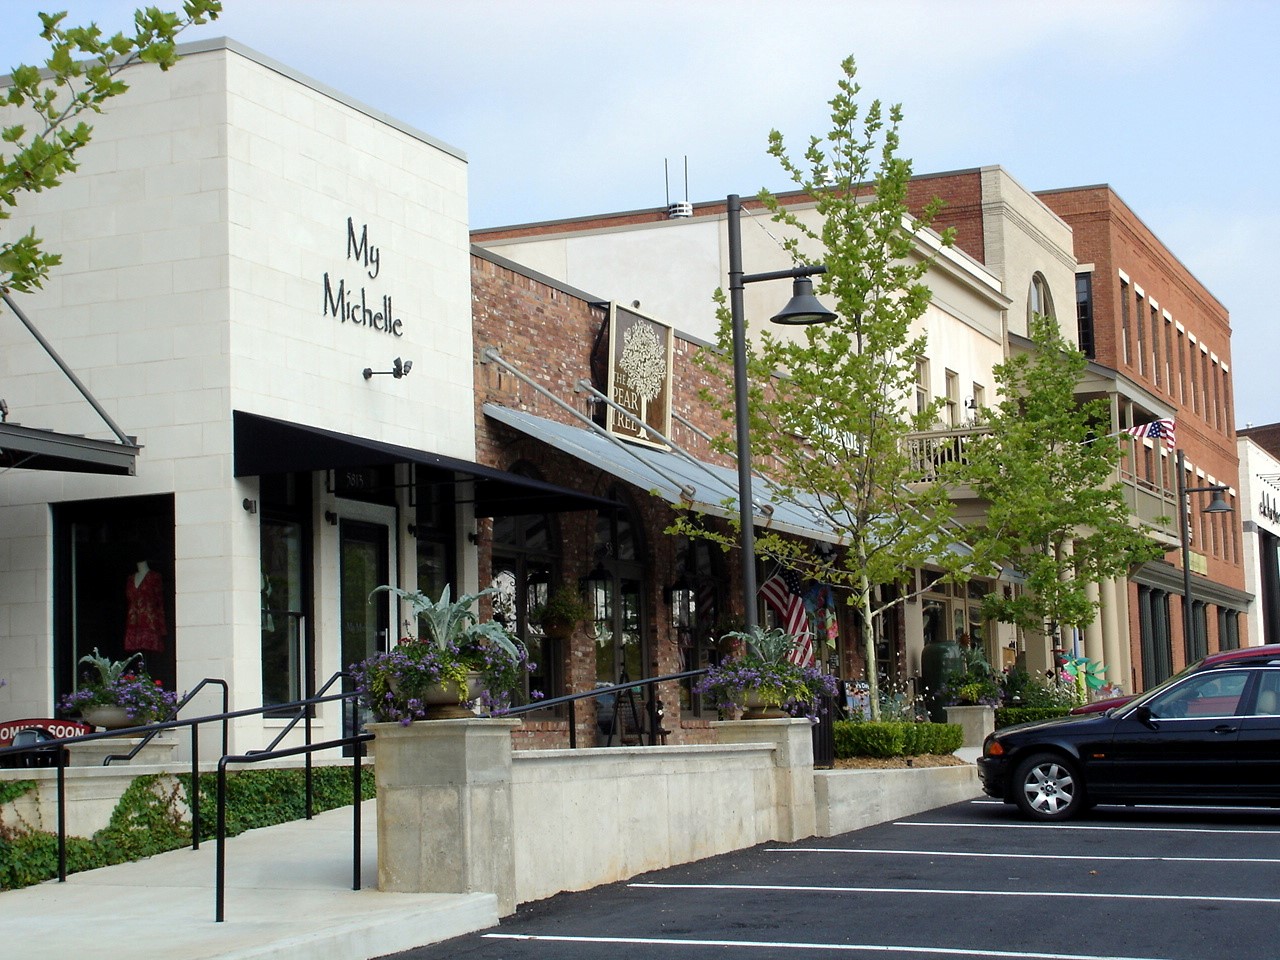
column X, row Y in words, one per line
column 250, row 506
column 399, row 369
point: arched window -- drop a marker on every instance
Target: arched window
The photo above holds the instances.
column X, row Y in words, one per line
column 526, row 560
column 1039, row 300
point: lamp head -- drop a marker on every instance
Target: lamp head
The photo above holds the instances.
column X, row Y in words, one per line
column 1219, row 503
column 803, row 308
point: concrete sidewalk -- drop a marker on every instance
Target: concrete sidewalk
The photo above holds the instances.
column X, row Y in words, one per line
column 288, row 896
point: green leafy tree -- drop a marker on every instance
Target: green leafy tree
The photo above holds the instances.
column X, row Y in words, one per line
column 1048, row 471
column 831, row 408
column 80, row 74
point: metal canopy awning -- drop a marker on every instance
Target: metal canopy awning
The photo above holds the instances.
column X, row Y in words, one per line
column 678, row 478
column 264, row 445
column 31, row 448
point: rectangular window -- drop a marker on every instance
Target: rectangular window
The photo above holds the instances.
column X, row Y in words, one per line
column 1217, row 395
column 1084, row 313
column 953, row 398
column 284, row 545
column 1182, row 368
column 1204, row 384
column 922, row 385
column 1168, row 355
column 1226, row 397
column 1155, row 345
column 979, row 400
column 1124, row 322
column 1195, row 384
column 113, row 586
column 1140, row 321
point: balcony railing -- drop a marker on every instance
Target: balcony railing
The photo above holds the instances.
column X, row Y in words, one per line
column 932, row 450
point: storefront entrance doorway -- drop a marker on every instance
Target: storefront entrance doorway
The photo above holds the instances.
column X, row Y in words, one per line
column 364, row 563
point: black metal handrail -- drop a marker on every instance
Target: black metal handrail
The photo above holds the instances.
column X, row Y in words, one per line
column 256, row 756
column 652, row 704
column 60, row 744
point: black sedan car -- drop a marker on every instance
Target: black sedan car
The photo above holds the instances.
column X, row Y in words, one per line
column 1207, row 737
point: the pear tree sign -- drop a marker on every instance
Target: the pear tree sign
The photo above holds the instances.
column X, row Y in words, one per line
column 640, row 355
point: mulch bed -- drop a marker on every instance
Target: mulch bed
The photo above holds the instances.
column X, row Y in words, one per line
column 895, row 763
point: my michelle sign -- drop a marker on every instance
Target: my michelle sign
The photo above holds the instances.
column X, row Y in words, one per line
column 640, row 355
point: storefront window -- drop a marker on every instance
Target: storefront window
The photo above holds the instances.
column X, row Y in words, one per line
column 285, row 552
column 694, row 598
column 114, row 585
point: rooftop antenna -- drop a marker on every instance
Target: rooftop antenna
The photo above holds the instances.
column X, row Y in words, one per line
column 681, row 208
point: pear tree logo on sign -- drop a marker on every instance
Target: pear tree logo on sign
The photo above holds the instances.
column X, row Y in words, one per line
column 640, row 351
column 349, row 306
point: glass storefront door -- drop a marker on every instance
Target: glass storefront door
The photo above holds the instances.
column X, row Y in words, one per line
column 364, row 564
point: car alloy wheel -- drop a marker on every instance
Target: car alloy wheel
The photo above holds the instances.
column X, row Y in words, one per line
column 1048, row 787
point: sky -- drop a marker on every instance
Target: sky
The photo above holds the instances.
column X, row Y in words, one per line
column 570, row 108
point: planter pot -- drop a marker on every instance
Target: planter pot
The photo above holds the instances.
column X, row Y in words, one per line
column 754, row 708
column 443, row 701
column 107, row 716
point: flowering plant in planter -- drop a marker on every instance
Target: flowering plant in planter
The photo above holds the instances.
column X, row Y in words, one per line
column 111, row 683
column 973, row 683
column 401, row 684
column 761, row 675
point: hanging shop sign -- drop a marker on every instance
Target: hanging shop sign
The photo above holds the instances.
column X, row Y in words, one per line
column 640, row 361
column 355, row 305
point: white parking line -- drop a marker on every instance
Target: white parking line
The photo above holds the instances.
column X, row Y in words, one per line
column 829, row 947
column 940, row 891
column 1085, row 826
column 1022, row 856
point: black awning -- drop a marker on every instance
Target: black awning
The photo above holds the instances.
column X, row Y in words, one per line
column 29, row 448
column 264, row 445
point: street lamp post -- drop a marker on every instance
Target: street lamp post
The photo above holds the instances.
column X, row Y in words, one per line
column 1217, row 505
column 802, row 308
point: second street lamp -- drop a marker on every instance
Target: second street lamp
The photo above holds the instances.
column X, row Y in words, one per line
column 1217, row 505
column 803, row 308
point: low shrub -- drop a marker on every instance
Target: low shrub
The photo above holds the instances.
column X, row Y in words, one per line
column 1008, row 716
column 858, row 738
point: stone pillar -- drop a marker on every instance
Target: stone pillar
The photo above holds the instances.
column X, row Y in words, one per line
column 975, row 722
column 445, row 812
column 792, row 740
column 1112, row 643
column 1094, row 644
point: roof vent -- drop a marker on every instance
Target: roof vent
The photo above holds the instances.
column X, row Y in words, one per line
column 677, row 209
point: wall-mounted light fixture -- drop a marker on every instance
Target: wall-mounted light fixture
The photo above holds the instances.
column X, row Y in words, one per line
column 970, row 403
column 399, row 370
column 331, row 518
column 250, row 506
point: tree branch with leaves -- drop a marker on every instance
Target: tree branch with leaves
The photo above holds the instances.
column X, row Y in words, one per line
column 830, row 409
column 80, row 74
column 1048, row 472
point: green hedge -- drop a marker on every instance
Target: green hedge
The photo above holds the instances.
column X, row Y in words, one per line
column 1008, row 716
column 858, row 738
column 152, row 817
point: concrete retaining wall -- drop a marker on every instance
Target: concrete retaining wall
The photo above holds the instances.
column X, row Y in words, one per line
column 852, row 799
column 589, row 817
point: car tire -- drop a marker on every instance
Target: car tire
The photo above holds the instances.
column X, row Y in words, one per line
column 1048, row 786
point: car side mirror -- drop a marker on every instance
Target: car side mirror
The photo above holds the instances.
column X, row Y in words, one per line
column 1142, row 714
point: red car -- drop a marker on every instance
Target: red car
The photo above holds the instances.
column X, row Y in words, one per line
column 1263, row 654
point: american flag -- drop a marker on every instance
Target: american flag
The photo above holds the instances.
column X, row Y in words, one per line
column 782, row 592
column 1156, row 429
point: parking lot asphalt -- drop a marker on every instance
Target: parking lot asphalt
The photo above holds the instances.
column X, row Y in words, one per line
column 970, row 880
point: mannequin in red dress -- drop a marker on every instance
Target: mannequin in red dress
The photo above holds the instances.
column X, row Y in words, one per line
column 145, row 627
